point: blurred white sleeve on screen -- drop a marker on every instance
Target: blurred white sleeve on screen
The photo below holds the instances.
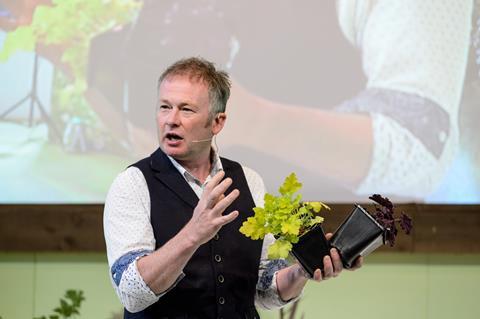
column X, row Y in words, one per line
column 415, row 47
column 390, row 172
column 418, row 47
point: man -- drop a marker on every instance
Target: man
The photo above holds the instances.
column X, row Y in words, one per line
column 172, row 219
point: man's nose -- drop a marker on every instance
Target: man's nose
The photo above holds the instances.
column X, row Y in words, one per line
column 173, row 117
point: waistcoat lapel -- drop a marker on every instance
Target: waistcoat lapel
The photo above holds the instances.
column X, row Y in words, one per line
column 167, row 174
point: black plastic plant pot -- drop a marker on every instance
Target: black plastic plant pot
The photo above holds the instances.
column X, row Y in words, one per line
column 358, row 235
column 311, row 248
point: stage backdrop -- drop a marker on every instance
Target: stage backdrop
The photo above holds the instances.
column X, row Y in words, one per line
column 356, row 97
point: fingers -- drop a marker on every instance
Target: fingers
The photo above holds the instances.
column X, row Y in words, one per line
column 328, row 236
column 317, row 275
column 337, row 262
column 215, row 195
column 215, row 200
column 221, row 188
column 327, row 268
column 358, row 263
column 215, row 188
column 216, row 179
column 207, row 216
column 332, row 266
column 225, row 219
column 225, row 202
column 219, row 199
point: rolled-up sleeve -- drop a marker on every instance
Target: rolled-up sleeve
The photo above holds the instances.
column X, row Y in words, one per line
column 129, row 237
column 267, row 295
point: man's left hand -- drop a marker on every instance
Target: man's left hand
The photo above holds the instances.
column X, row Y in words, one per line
column 332, row 265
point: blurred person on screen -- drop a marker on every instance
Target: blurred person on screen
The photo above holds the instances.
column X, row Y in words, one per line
column 398, row 136
column 171, row 220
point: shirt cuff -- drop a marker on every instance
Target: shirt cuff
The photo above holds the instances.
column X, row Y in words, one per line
column 132, row 290
column 267, row 296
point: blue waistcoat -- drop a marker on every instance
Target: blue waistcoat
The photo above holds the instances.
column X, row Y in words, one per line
column 220, row 278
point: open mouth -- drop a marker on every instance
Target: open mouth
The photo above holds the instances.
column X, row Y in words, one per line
column 173, row 137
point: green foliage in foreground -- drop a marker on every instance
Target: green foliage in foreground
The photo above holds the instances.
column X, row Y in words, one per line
column 69, row 306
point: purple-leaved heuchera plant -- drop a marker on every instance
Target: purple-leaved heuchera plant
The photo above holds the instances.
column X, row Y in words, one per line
column 385, row 216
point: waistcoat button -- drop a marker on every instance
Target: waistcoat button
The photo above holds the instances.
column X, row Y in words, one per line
column 218, row 258
column 216, row 237
column 221, row 300
column 220, row 278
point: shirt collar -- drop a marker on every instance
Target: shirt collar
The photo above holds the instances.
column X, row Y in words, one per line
column 216, row 167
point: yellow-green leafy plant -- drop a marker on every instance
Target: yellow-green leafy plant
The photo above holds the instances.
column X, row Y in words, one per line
column 285, row 216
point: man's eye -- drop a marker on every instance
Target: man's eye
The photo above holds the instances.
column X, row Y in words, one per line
column 164, row 107
column 186, row 109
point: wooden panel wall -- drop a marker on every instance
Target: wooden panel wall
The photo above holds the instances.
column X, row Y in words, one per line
column 79, row 228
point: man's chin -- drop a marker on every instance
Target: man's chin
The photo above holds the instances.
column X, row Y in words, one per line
column 174, row 152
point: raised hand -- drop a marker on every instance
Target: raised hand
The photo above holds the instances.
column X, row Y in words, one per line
column 208, row 215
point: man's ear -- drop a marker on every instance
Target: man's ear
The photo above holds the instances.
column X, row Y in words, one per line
column 218, row 122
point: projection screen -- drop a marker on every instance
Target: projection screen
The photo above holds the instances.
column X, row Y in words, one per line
column 355, row 97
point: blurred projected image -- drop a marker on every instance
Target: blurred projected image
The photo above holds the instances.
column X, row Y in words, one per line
column 356, row 97
column 54, row 147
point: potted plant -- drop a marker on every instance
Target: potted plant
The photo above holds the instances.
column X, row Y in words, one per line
column 295, row 225
column 362, row 232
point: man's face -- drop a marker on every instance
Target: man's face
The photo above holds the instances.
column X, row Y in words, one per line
column 183, row 118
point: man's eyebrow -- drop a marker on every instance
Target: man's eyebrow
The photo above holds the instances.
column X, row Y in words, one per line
column 182, row 104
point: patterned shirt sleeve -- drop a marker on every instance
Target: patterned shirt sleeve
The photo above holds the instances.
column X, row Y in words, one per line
column 129, row 236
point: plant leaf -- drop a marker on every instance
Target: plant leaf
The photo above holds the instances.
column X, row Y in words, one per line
column 291, row 226
column 316, row 220
column 290, row 186
column 383, row 201
column 252, row 229
column 279, row 249
column 406, row 223
column 315, row 206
